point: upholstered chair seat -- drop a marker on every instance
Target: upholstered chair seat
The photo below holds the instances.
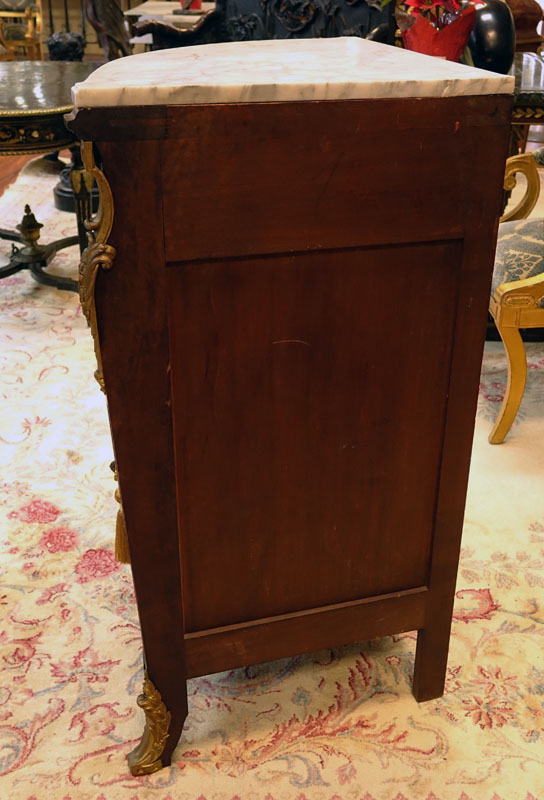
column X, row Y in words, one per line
column 520, row 252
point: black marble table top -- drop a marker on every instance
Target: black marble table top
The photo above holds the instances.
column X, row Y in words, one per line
column 34, row 97
column 528, row 69
column 39, row 87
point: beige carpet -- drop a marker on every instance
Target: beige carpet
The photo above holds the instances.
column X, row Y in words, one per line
column 335, row 725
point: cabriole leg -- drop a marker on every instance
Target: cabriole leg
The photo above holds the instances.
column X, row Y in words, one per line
column 515, row 386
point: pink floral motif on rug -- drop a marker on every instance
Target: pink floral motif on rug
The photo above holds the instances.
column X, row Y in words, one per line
column 339, row 724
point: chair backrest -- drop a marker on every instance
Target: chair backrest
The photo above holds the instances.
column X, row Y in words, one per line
column 13, row 6
column 7, row 52
column 22, row 26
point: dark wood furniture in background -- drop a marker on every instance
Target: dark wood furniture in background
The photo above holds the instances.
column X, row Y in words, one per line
column 244, row 20
column 108, row 20
column 36, row 97
column 289, row 323
column 527, row 16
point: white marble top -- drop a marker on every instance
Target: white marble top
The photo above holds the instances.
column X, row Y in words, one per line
column 280, row 70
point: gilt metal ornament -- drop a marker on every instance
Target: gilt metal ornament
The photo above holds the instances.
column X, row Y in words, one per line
column 146, row 757
column 99, row 254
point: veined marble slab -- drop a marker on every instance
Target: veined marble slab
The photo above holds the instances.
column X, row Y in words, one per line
column 345, row 68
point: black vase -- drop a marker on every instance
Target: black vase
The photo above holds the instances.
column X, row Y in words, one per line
column 493, row 38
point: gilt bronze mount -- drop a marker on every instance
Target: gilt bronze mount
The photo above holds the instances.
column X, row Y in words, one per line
column 98, row 253
column 146, row 757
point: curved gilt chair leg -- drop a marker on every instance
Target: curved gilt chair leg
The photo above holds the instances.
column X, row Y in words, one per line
column 146, row 757
column 517, row 375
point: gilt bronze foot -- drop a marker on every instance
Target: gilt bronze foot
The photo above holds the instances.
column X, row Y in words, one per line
column 146, row 757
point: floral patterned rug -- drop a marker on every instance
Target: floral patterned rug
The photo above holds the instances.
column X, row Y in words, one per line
column 335, row 725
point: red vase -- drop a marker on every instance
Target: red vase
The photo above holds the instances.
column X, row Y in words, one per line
column 448, row 42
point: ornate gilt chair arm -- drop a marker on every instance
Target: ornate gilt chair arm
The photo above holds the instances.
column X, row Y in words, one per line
column 525, row 164
column 524, row 293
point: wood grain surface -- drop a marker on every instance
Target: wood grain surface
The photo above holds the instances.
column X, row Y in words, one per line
column 132, row 307
column 308, row 443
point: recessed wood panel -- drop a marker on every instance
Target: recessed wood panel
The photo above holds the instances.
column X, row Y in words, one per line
column 308, row 412
column 303, row 176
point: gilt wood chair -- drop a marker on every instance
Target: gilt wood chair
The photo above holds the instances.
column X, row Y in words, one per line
column 7, row 53
column 22, row 26
column 517, row 291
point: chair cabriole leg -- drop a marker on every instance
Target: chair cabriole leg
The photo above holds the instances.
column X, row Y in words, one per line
column 517, row 376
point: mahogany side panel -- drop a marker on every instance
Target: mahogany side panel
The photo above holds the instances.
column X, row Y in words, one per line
column 142, row 123
column 304, row 632
column 132, row 321
column 282, row 177
column 482, row 205
column 118, row 123
column 307, row 441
